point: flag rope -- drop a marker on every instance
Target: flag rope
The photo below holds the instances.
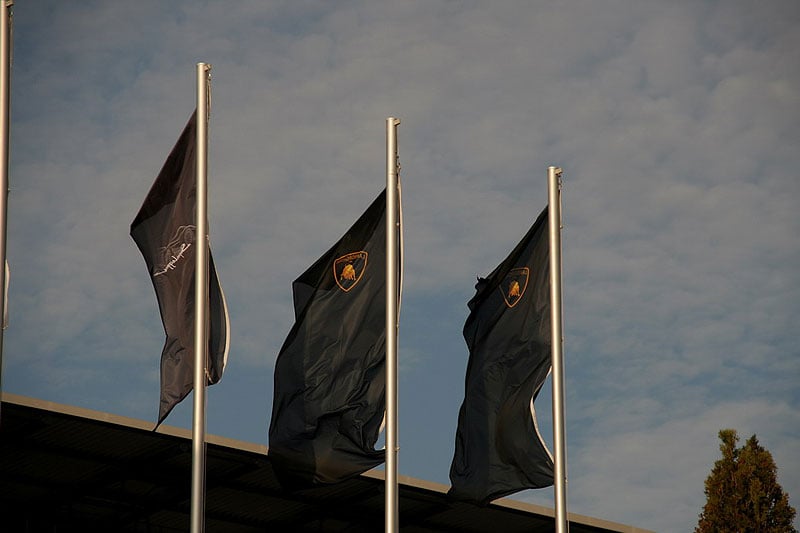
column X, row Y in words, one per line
column 402, row 241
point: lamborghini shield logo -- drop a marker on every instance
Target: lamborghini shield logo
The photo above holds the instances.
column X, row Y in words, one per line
column 514, row 285
column 349, row 269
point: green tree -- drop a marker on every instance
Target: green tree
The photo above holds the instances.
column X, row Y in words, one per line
column 742, row 491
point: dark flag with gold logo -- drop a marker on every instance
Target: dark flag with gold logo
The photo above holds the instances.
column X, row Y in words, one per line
column 330, row 375
column 499, row 450
column 164, row 231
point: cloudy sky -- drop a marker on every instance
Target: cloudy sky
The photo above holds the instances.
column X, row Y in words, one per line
column 677, row 125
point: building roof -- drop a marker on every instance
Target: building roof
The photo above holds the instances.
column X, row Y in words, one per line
column 65, row 468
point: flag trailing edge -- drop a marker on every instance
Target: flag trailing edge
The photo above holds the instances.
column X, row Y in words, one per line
column 330, row 374
column 165, row 233
column 499, row 449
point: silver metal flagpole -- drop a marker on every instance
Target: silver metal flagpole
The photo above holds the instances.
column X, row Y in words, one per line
column 391, row 517
column 557, row 354
column 200, row 305
column 5, row 99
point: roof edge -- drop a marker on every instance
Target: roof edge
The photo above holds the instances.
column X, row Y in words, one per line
column 407, row 481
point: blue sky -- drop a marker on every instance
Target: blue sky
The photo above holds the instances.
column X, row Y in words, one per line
column 677, row 125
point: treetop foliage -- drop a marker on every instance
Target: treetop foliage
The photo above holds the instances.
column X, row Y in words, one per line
column 742, row 491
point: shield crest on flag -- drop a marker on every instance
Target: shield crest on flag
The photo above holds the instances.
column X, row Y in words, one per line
column 349, row 269
column 514, row 284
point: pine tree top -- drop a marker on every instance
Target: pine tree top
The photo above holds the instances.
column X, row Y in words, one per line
column 742, row 491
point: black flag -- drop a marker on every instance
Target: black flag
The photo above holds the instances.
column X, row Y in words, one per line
column 164, row 231
column 330, row 375
column 498, row 447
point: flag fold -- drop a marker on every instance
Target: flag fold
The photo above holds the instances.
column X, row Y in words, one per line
column 164, row 231
column 498, row 448
column 330, row 375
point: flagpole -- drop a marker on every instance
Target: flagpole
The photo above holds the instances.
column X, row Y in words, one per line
column 557, row 354
column 201, row 305
column 5, row 99
column 391, row 506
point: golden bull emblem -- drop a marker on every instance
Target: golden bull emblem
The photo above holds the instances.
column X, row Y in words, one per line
column 349, row 269
column 348, row 273
column 513, row 291
column 513, row 286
